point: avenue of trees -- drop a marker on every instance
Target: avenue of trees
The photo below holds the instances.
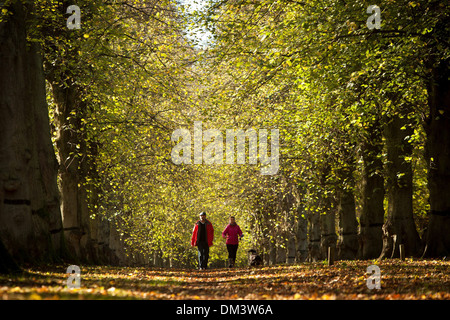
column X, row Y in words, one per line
column 87, row 115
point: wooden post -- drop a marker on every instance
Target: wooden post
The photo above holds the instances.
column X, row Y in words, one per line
column 330, row 256
column 402, row 251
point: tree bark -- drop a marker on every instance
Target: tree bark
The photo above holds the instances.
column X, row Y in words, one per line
column 301, row 236
column 347, row 247
column 272, row 252
column 372, row 214
column 438, row 155
column 289, row 201
column 7, row 263
column 314, row 236
column 399, row 227
column 72, row 152
column 328, row 235
column 281, row 256
column 30, row 219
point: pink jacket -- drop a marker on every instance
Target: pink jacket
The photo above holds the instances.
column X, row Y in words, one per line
column 232, row 232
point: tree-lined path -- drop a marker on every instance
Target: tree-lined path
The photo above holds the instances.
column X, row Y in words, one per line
column 323, row 127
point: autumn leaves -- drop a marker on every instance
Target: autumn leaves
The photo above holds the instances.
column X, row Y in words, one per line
column 417, row 280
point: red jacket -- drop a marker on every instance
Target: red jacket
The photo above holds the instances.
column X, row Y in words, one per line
column 209, row 233
column 232, row 231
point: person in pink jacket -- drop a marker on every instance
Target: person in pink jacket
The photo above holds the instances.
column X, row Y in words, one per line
column 233, row 234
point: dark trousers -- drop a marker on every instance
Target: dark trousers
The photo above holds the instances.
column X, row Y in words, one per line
column 203, row 254
column 232, row 250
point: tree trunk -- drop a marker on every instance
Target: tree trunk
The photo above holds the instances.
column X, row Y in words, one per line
column 281, row 251
column 289, row 200
column 399, row 227
column 272, row 252
column 290, row 245
column 7, row 263
column 301, row 236
column 291, row 250
column 75, row 167
column 438, row 155
column 30, row 219
column 92, row 194
column 157, row 258
column 328, row 235
column 372, row 214
column 314, row 236
column 68, row 142
column 347, row 247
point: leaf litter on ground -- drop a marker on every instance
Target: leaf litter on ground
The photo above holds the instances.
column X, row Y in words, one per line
column 409, row 279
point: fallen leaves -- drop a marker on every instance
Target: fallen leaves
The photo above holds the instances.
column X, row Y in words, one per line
column 422, row 279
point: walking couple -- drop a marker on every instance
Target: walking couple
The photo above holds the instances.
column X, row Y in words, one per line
column 203, row 236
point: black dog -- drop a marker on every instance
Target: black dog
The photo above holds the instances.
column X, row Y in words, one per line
column 254, row 260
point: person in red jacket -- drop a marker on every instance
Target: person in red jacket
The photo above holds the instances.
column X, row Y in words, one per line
column 233, row 234
column 202, row 237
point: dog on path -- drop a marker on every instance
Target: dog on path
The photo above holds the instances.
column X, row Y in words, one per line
column 254, row 260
